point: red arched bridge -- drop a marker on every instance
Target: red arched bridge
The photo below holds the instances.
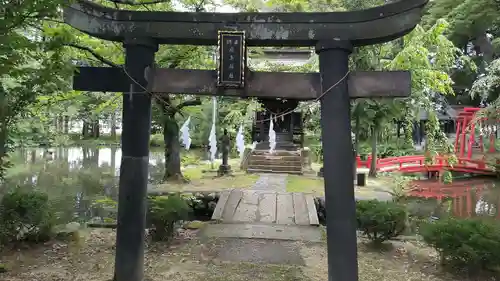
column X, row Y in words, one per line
column 466, row 142
column 417, row 164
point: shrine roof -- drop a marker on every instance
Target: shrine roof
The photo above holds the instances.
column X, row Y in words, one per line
column 361, row 27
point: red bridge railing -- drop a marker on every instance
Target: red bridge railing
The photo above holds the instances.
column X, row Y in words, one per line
column 416, row 163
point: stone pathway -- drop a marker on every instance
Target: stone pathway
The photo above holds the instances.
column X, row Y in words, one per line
column 259, row 251
column 265, row 231
column 271, row 182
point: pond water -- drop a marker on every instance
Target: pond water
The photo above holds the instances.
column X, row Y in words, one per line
column 465, row 198
column 78, row 157
column 80, row 181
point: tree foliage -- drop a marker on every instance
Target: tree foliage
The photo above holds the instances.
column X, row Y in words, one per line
column 30, row 65
column 474, row 28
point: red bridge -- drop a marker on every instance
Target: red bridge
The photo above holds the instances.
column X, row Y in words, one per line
column 417, row 164
column 466, row 126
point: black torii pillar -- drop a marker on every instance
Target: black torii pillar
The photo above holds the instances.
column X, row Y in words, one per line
column 130, row 234
column 338, row 160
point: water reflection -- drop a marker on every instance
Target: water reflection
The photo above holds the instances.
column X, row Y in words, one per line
column 463, row 198
column 76, row 178
column 79, row 157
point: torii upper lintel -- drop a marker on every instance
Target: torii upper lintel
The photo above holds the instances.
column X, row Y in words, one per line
column 364, row 27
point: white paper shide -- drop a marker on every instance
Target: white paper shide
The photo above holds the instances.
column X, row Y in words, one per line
column 185, row 137
column 240, row 142
column 272, row 136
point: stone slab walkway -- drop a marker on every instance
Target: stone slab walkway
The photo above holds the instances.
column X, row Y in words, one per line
column 268, row 182
column 259, row 251
column 265, row 231
column 257, row 206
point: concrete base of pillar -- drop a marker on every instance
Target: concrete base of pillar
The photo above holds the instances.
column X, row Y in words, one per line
column 320, row 173
column 224, row 170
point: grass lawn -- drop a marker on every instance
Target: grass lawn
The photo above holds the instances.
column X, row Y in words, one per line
column 192, row 258
column 316, row 185
column 204, row 178
column 308, row 184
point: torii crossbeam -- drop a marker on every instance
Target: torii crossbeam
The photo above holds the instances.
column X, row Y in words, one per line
column 334, row 34
column 300, row 86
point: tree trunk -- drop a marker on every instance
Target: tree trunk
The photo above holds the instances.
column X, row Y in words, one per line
column 373, row 167
column 113, row 125
column 3, row 133
column 96, row 129
column 66, row 124
column 85, row 130
column 356, row 134
column 172, row 150
column 113, row 159
column 55, row 120
column 33, row 156
column 3, row 147
column 483, row 45
column 60, row 123
column 85, row 156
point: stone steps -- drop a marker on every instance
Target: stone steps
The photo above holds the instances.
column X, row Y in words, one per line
column 279, row 146
column 270, row 170
column 276, row 155
column 283, row 153
column 276, row 168
column 275, row 162
column 281, row 162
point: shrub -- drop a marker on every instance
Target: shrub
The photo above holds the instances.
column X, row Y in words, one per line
column 105, row 208
column 385, row 150
column 202, row 205
column 164, row 213
column 380, row 221
column 25, row 216
column 402, row 185
column 471, row 244
column 156, row 140
column 447, row 177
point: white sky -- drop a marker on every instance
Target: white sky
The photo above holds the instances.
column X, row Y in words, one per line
column 220, row 9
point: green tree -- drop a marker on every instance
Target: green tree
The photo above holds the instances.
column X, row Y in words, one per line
column 30, row 65
column 430, row 56
column 474, row 28
column 471, row 21
column 488, row 87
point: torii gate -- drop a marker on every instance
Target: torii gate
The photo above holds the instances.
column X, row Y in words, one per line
column 334, row 34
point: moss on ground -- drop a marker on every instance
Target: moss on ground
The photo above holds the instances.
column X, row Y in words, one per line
column 204, row 178
column 191, row 258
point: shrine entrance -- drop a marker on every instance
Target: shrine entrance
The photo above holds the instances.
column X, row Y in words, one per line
column 286, row 123
column 332, row 34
